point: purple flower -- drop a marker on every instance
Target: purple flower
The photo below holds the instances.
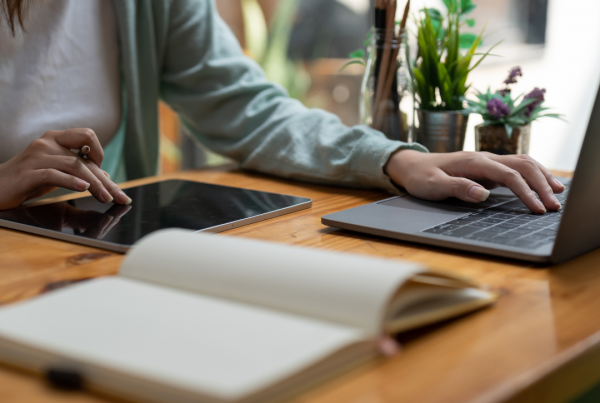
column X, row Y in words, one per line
column 504, row 92
column 497, row 108
column 513, row 74
column 537, row 94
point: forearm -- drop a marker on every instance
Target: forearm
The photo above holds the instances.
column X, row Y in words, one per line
column 228, row 104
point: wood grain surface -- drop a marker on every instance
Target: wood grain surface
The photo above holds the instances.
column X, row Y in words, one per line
column 539, row 343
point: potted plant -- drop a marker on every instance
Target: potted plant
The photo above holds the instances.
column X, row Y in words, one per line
column 506, row 127
column 440, row 75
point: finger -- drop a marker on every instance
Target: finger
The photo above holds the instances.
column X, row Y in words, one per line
column 534, row 177
column 119, row 196
column 73, row 165
column 463, row 189
column 106, row 174
column 492, row 170
column 102, row 188
column 53, row 177
column 554, row 183
column 77, row 138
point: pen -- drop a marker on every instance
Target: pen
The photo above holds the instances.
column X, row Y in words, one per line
column 85, row 150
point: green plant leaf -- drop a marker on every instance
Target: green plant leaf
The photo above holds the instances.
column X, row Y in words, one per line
column 445, row 84
column 440, row 31
column 521, row 107
column 467, row 40
column 467, row 9
column 509, row 130
column 465, row 4
column 434, row 13
column 350, row 63
column 357, row 54
column 451, row 5
column 484, row 56
column 470, row 22
column 554, row 116
column 421, row 87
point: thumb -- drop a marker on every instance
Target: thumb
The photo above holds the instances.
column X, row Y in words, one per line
column 465, row 189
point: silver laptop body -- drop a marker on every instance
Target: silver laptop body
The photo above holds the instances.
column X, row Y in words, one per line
column 501, row 226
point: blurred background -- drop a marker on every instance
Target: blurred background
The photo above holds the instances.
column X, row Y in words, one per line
column 302, row 44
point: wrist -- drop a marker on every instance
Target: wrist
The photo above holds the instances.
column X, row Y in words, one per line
column 398, row 165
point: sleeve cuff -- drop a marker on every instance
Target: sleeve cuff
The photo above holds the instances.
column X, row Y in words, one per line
column 376, row 150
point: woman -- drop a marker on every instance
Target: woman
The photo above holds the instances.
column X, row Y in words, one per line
column 102, row 65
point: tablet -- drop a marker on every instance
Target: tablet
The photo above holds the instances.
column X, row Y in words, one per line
column 168, row 204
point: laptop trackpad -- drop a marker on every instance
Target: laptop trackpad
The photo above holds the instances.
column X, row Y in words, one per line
column 451, row 206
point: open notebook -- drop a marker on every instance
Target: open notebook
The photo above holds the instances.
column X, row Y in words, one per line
column 211, row 318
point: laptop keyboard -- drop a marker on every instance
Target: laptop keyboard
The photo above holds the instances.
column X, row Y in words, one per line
column 510, row 223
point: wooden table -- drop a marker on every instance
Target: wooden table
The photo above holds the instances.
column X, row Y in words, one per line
column 539, row 343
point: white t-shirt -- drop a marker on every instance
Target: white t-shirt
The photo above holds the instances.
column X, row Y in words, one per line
column 62, row 72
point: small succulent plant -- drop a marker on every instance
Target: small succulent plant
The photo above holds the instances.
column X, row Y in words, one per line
column 500, row 108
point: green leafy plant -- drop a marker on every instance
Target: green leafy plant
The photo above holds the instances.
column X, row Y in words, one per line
column 500, row 108
column 441, row 69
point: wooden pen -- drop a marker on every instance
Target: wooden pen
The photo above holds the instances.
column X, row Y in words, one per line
column 85, row 150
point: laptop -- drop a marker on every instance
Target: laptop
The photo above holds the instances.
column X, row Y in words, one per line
column 501, row 226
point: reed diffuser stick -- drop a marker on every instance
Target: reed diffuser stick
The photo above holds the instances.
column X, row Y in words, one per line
column 389, row 80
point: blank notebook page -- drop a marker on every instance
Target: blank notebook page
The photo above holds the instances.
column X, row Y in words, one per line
column 197, row 343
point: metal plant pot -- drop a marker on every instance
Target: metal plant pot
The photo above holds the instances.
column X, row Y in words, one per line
column 442, row 132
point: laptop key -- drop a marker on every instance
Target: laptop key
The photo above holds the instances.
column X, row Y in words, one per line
column 530, row 217
column 508, row 225
column 496, row 229
column 447, row 227
column 481, row 224
column 435, row 231
column 461, row 232
column 514, row 204
column 482, row 214
column 482, row 235
column 522, row 210
column 537, row 237
column 518, row 221
column 493, row 220
column 550, row 218
column 518, row 232
column 461, row 222
column 532, row 227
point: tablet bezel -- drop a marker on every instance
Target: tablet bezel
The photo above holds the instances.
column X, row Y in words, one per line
column 122, row 248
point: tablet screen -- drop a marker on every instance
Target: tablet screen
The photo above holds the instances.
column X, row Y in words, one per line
column 168, row 204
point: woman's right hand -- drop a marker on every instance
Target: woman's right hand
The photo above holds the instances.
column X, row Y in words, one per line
column 48, row 162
